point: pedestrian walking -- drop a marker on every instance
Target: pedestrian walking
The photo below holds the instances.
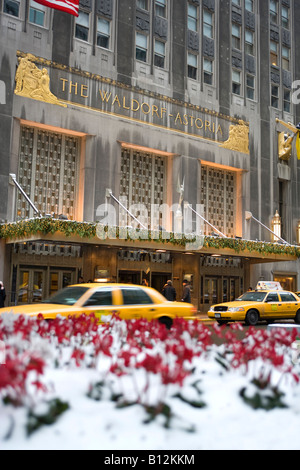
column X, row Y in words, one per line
column 186, row 293
column 2, row 294
column 169, row 291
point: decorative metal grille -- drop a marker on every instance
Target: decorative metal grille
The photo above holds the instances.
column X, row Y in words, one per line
column 143, row 178
column 218, row 189
column 48, row 169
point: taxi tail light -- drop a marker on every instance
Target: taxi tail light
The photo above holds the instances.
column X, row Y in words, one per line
column 194, row 311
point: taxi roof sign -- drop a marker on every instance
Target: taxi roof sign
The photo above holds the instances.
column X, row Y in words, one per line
column 268, row 285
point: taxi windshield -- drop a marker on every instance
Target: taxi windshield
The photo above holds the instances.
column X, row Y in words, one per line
column 252, row 297
column 67, row 296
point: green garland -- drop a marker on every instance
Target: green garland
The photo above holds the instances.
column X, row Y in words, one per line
column 86, row 230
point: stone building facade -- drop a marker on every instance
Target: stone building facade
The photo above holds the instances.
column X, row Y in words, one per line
column 183, row 111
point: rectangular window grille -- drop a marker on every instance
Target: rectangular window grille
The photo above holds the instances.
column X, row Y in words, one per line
column 48, row 172
column 143, row 181
column 218, row 194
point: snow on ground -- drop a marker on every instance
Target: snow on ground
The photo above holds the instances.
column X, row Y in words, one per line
column 225, row 422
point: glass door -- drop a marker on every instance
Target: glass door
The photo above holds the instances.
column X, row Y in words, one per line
column 31, row 283
column 60, row 279
column 210, row 291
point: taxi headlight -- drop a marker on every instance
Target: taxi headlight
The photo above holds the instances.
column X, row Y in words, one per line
column 236, row 309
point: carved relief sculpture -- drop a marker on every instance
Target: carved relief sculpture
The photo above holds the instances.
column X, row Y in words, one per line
column 238, row 139
column 32, row 82
column 285, row 140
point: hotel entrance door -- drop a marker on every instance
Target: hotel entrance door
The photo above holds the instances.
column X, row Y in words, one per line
column 218, row 289
column 37, row 284
column 60, row 279
column 31, row 282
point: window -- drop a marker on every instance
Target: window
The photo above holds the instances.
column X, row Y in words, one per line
column 159, row 54
column 135, row 296
column 36, row 13
column 218, row 196
column 236, row 82
column 141, row 47
column 249, row 5
column 208, row 29
column 103, row 33
column 249, row 42
column 161, row 8
column 192, row 17
column 287, row 100
column 273, row 297
column 11, row 7
column 68, row 296
column 48, row 172
column 285, row 20
column 192, row 66
column 236, row 36
column 285, row 58
column 287, row 297
column 143, row 181
column 250, row 86
column 274, row 11
column 82, row 23
column 274, row 53
column 143, row 4
column 236, row 2
column 102, row 297
column 274, row 96
column 207, row 71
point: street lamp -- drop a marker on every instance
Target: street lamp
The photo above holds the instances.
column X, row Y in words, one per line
column 276, row 227
column 298, row 233
column 276, row 236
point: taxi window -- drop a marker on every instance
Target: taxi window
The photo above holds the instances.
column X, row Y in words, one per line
column 273, row 297
column 101, row 297
column 67, row 296
column 287, row 297
column 253, row 297
column 134, row 296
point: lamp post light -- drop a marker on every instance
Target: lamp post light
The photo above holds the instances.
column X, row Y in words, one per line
column 298, row 233
column 276, row 227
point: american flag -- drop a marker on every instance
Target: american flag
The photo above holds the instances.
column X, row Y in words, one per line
column 69, row 6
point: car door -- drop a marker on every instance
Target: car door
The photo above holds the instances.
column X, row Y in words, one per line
column 272, row 306
column 102, row 302
column 137, row 303
column 290, row 304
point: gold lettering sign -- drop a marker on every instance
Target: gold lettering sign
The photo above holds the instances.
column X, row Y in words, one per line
column 32, row 82
column 108, row 96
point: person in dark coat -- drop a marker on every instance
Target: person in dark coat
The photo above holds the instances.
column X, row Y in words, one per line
column 186, row 294
column 169, row 291
column 2, row 295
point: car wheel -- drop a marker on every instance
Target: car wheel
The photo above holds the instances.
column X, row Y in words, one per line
column 167, row 321
column 297, row 317
column 252, row 317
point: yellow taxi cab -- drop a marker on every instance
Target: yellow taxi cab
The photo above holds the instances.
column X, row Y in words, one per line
column 262, row 304
column 104, row 300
